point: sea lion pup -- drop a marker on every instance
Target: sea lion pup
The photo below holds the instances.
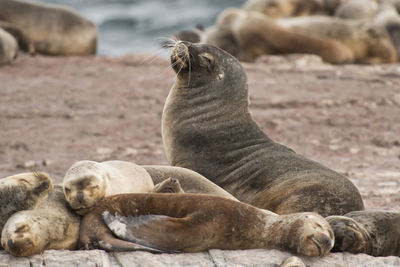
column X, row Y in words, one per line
column 8, row 48
column 54, row 29
column 287, row 8
column 23, row 191
column 164, row 221
column 376, row 233
column 369, row 44
column 256, row 35
column 190, row 181
column 170, row 185
column 86, row 182
column 52, row 225
column 207, row 127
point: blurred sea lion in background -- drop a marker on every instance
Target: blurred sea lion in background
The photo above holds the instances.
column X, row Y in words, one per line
column 369, row 44
column 8, row 48
column 287, row 8
column 54, row 29
column 247, row 35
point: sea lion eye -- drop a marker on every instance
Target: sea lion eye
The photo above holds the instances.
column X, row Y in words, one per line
column 206, row 61
column 67, row 190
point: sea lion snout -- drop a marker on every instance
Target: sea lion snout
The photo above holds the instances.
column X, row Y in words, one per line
column 180, row 55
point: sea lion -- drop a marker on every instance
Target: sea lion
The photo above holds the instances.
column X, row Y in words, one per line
column 170, row 185
column 54, row 29
column 369, row 44
column 86, row 182
column 23, row 191
column 287, row 8
column 207, row 127
column 8, row 47
column 190, row 181
column 376, row 233
column 357, row 9
column 255, row 35
column 52, row 225
column 164, row 221
column 24, row 42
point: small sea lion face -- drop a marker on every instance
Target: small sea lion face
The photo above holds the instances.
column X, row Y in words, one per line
column 202, row 65
column 17, row 237
column 37, row 185
column 170, row 185
column 316, row 235
column 83, row 193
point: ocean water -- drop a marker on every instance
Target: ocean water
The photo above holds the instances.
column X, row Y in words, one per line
column 135, row 26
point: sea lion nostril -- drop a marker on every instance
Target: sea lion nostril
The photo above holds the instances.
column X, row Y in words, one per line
column 79, row 196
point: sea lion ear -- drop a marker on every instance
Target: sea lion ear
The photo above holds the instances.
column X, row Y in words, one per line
column 207, row 61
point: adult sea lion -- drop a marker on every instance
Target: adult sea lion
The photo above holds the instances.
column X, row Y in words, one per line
column 8, row 47
column 207, row 127
column 254, row 34
column 86, row 182
column 368, row 43
column 52, row 225
column 190, row 181
column 54, row 29
column 376, row 233
column 163, row 222
column 23, row 191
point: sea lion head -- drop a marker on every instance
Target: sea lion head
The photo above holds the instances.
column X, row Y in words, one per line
column 35, row 185
column 19, row 235
column 310, row 235
column 271, row 8
column 170, row 185
column 206, row 69
column 84, row 186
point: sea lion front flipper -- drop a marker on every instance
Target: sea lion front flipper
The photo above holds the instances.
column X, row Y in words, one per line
column 394, row 31
column 350, row 236
column 154, row 231
column 170, row 185
column 24, row 41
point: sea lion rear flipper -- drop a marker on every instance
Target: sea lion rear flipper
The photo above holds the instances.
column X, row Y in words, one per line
column 170, row 185
column 153, row 231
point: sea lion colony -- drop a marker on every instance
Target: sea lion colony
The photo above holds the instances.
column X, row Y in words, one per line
column 289, row 187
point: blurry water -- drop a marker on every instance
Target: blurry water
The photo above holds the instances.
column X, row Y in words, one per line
column 134, row 26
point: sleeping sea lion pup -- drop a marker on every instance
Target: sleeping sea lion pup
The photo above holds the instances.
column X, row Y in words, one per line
column 54, row 29
column 52, row 225
column 23, row 191
column 190, row 181
column 207, row 127
column 86, row 182
column 376, row 233
column 164, row 221
column 8, row 48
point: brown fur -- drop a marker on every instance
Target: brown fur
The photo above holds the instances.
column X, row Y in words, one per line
column 54, row 29
column 52, row 225
column 23, row 191
column 256, row 35
column 210, row 221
